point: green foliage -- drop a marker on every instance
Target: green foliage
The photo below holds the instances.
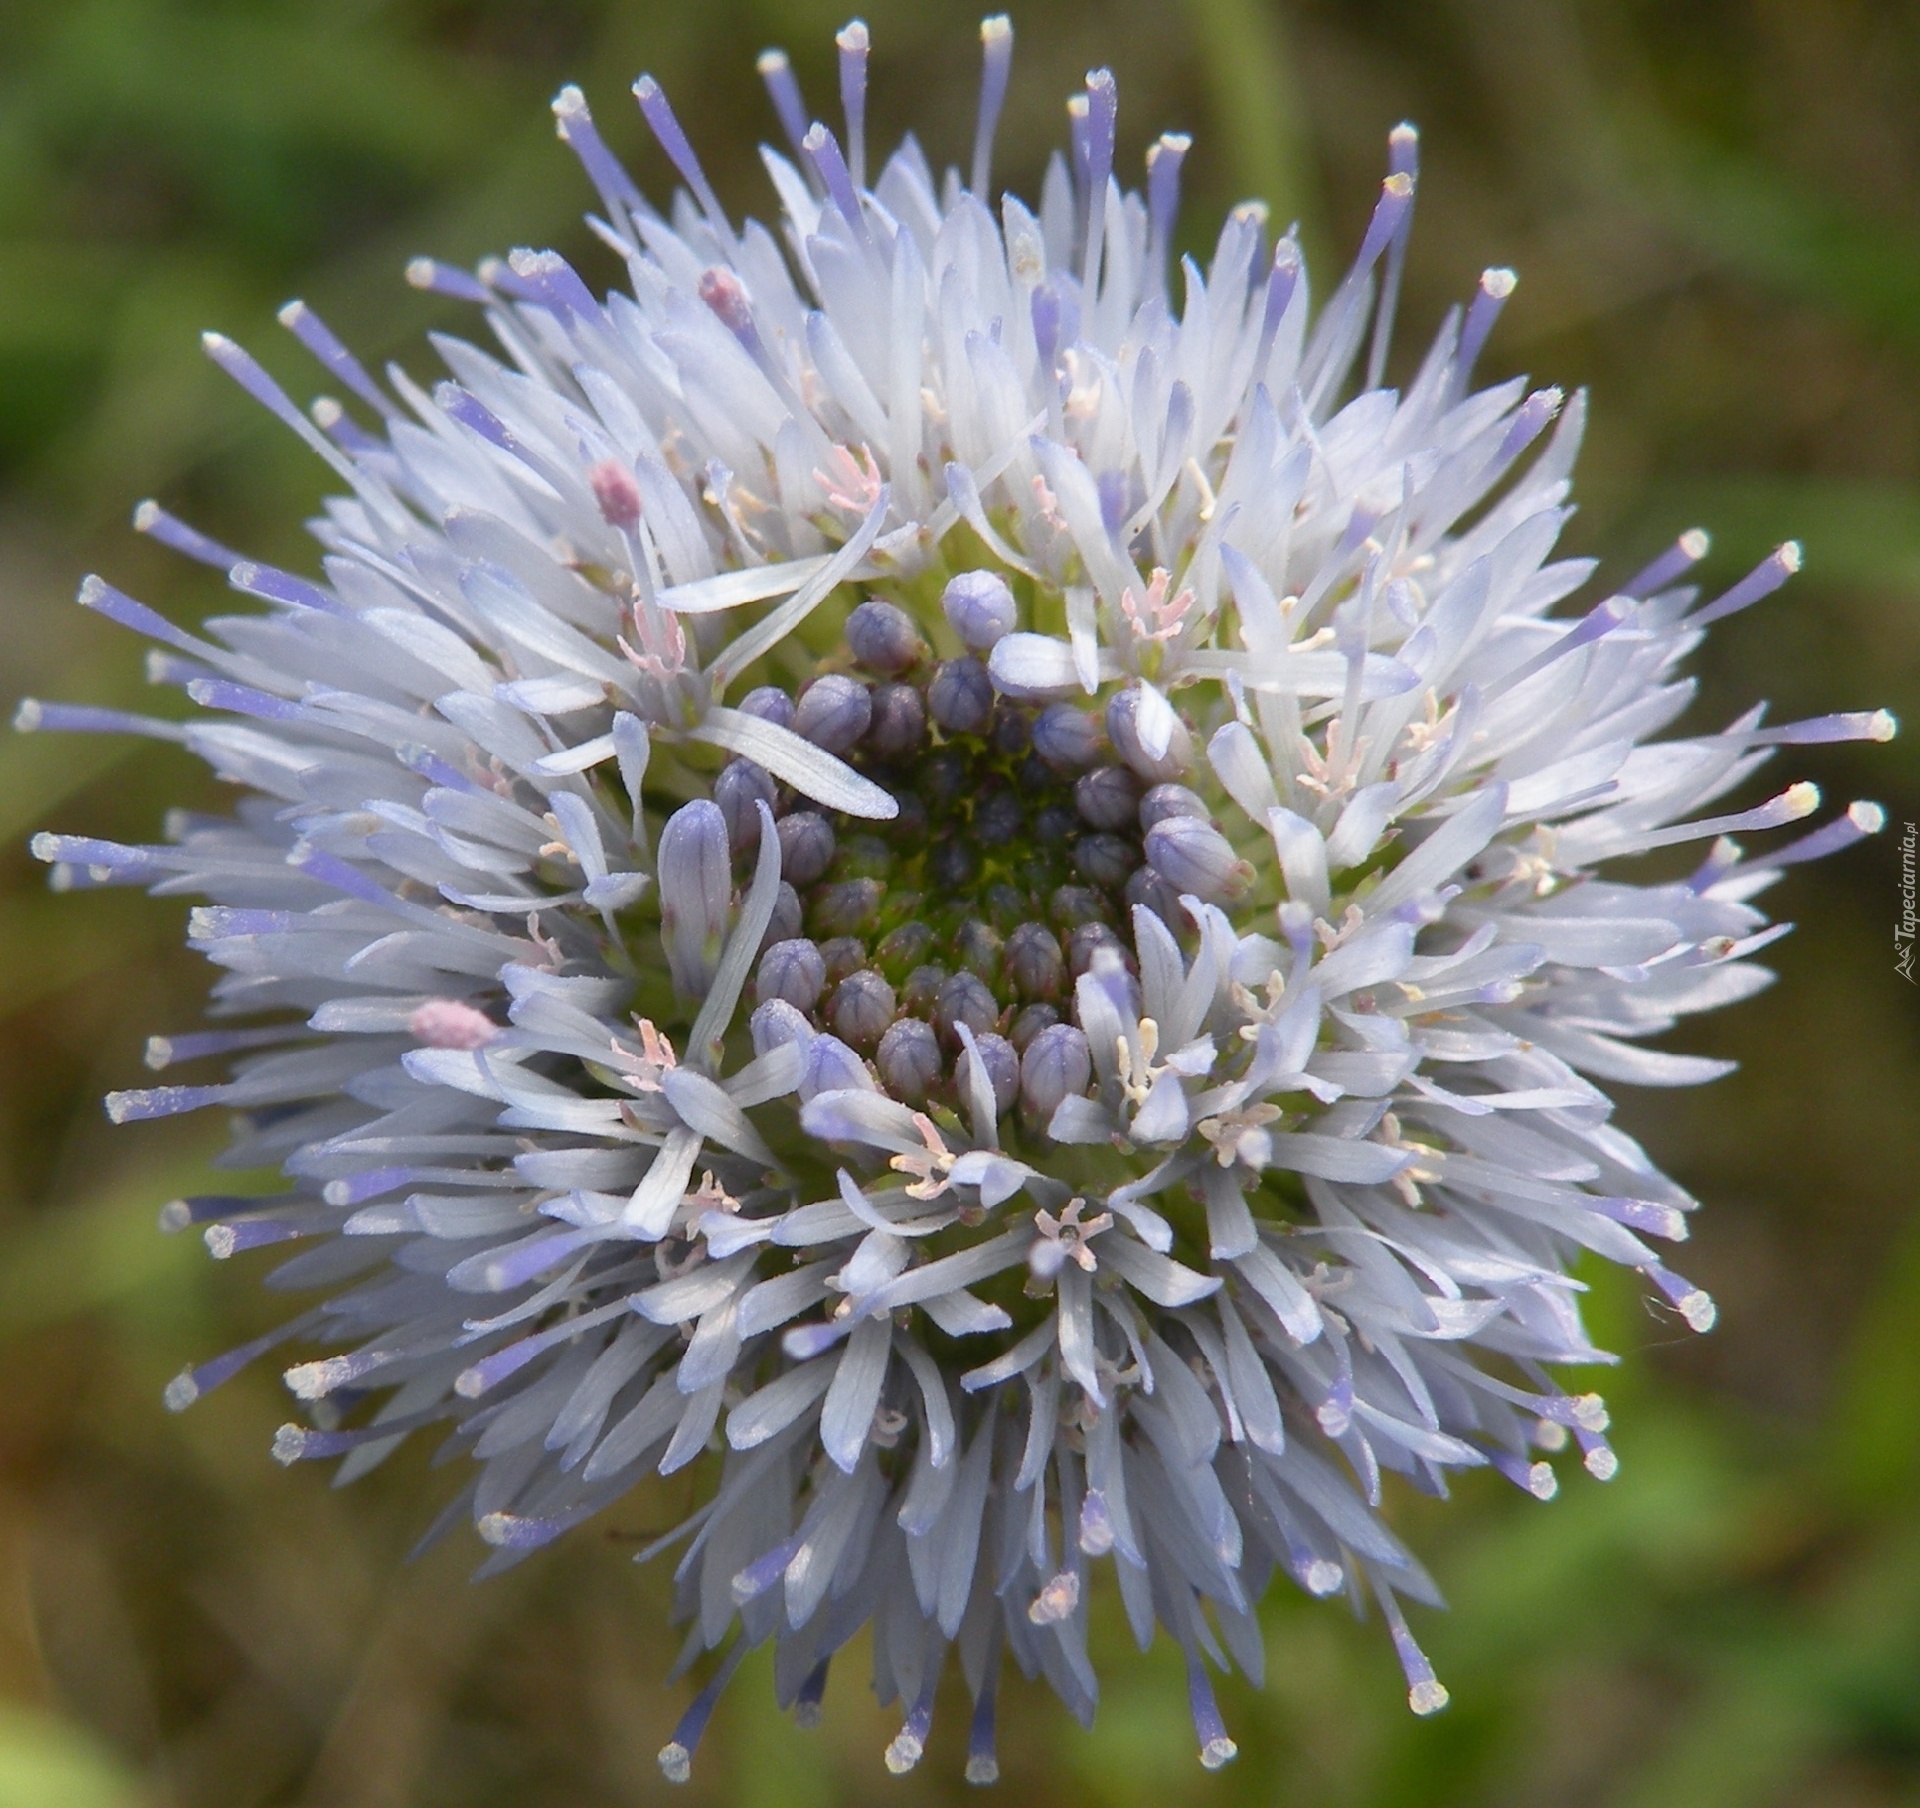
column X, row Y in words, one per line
column 1714, row 211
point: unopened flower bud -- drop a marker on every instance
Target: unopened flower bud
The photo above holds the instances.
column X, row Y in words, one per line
column 1145, row 887
column 1104, row 860
column 1086, row 941
column 739, row 785
column 978, row 948
column 1193, row 856
column 909, row 1060
column 1071, row 905
column 960, row 698
column 964, row 998
column 954, row 864
column 1171, row 800
column 844, row 954
column 770, row 703
column 998, row 818
column 1001, row 1065
column 1057, row 1065
column 792, row 970
column 696, row 885
column 806, row 847
column 1031, row 1021
column 1129, row 717
column 787, row 919
column 1107, row 798
column 902, row 949
column 776, row 1023
column 845, row 909
column 921, row 993
column 882, row 637
column 862, row 1009
column 898, row 729
column 832, row 1067
column 980, row 607
column 1012, row 729
column 833, row 713
column 1068, row 739
column 1035, row 964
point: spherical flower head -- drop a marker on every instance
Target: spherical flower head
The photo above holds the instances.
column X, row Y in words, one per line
column 979, row 910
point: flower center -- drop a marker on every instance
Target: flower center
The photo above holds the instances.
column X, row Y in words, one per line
column 1017, row 853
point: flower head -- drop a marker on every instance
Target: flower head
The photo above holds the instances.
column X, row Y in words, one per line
column 983, row 904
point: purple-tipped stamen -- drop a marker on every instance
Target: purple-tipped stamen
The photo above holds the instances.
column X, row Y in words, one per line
column 1693, row 1303
column 276, row 586
column 33, row 716
column 823, row 149
column 763, row 1572
column 910, row 1743
column 1763, row 580
column 1679, row 558
column 151, row 519
column 574, row 124
column 1164, row 158
column 659, row 115
column 1403, row 159
column 1103, row 105
column 676, row 1756
column 314, row 333
column 996, row 62
column 1860, row 820
column 783, row 89
column 983, row 1761
column 188, row 1386
column 1216, row 1748
column 806, row 1704
column 853, row 42
column 1425, row 1693
column 1535, row 1478
column 1851, row 725
column 1489, row 298
column 436, row 278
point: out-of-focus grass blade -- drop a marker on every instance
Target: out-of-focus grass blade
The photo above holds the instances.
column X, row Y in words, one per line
column 1778, row 230
column 46, row 944
column 40, row 772
column 104, row 1251
column 1244, row 54
column 1858, row 532
column 46, row 1762
column 1875, row 1448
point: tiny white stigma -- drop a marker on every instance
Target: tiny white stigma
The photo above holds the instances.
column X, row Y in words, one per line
column 1427, row 1697
column 1698, row 1309
column 1217, row 1752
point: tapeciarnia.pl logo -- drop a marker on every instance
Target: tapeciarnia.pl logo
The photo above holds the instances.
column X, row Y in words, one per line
column 1903, row 930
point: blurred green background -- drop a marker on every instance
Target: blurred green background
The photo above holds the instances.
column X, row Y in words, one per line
column 1715, row 208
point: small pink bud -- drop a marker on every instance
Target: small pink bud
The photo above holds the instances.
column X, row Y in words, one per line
column 616, row 492
column 721, row 290
column 447, row 1023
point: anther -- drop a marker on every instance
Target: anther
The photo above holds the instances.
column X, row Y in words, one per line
column 882, row 637
column 1107, row 798
column 862, row 1009
column 960, row 698
column 806, row 846
column 833, row 712
column 792, row 970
